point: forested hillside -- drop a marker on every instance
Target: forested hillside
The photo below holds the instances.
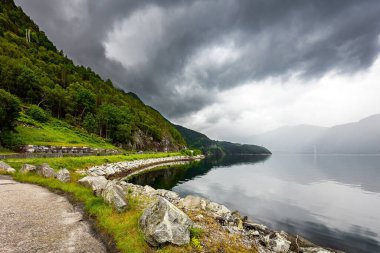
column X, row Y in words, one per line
column 200, row 141
column 32, row 69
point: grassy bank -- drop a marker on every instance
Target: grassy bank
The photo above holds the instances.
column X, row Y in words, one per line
column 122, row 227
column 75, row 163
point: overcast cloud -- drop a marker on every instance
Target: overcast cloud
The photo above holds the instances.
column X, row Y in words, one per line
column 228, row 68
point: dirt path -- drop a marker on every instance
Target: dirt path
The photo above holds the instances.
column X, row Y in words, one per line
column 33, row 219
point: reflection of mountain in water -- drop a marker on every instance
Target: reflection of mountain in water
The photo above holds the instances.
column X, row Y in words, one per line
column 170, row 176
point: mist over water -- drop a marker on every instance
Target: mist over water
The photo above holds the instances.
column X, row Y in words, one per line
column 333, row 201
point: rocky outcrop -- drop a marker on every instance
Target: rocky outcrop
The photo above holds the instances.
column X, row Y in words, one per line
column 114, row 194
column 46, row 171
column 63, row 175
column 163, row 222
column 26, row 168
column 97, row 184
column 5, row 167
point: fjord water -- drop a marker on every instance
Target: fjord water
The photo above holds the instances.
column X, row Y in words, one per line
column 333, row 201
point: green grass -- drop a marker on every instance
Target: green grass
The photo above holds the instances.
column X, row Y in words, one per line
column 56, row 133
column 122, row 227
column 75, row 163
column 5, row 151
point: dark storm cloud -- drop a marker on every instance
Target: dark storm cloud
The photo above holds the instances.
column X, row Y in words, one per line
column 195, row 48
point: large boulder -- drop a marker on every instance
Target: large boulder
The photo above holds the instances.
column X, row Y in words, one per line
column 28, row 168
column 63, row 175
column 46, row 171
column 114, row 194
column 6, row 167
column 96, row 183
column 163, row 222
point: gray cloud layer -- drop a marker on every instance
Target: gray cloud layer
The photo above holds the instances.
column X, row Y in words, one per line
column 175, row 54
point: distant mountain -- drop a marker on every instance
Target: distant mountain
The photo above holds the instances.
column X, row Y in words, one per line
column 291, row 139
column 362, row 137
column 200, row 141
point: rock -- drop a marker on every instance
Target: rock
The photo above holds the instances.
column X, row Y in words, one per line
column 254, row 226
column 163, row 222
column 28, row 168
column 277, row 242
column 218, row 210
column 193, row 202
column 148, row 189
column 96, row 183
column 114, row 194
column 46, row 171
column 6, row 167
column 63, row 175
column 315, row 250
column 169, row 195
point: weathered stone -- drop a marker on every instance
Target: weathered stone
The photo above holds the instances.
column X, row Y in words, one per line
column 255, row 226
column 46, row 171
column 193, row 202
column 6, row 167
column 218, row 210
column 315, row 250
column 277, row 242
column 169, row 195
column 148, row 189
column 114, row 194
column 97, row 184
column 28, row 168
column 63, row 175
column 163, row 222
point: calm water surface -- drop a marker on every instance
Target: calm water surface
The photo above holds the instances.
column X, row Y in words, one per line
column 331, row 200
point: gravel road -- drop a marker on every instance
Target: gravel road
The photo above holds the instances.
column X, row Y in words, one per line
column 33, row 219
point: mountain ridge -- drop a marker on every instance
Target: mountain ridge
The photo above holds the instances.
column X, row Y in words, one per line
column 359, row 137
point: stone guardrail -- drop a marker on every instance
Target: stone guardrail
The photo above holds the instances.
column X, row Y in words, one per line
column 32, row 151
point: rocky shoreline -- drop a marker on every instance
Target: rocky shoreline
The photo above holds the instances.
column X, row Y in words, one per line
column 204, row 214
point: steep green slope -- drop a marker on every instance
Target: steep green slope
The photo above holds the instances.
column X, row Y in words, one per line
column 34, row 70
column 200, row 141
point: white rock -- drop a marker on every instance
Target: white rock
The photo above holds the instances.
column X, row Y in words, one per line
column 163, row 222
column 63, row 175
column 114, row 194
column 6, row 167
column 97, row 184
column 28, row 168
column 46, row 171
column 193, row 202
column 219, row 210
column 277, row 243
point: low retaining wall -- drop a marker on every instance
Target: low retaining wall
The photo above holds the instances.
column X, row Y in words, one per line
column 66, row 150
column 33, row 151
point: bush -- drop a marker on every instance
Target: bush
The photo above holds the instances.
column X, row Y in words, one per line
column 9, row 140
column 10, row 107
column 37, row 114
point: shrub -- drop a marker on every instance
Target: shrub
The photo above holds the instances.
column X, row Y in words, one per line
column 37, row 114
column 10, row 107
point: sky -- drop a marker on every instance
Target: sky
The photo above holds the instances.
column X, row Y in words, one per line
column 230, row 69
